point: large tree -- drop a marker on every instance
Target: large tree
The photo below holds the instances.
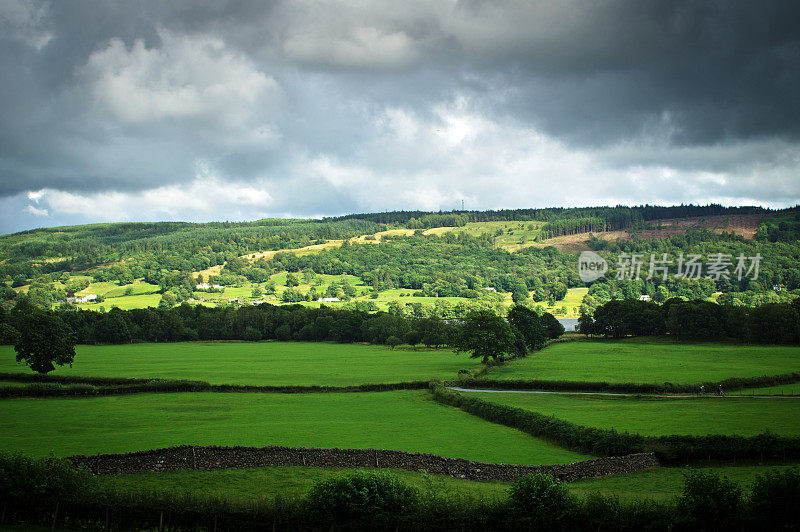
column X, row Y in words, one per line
column 44, row 341
column 529, row 326
column 486, row 335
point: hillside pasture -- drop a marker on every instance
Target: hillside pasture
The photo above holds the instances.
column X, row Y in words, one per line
column 124, row 302
column 652, row 416
column 258, row 363
column 403, row 420
column 572, row 302
column 648, row 360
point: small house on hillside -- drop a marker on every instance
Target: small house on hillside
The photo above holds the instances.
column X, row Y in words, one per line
column 644, row 297
column 328, row 299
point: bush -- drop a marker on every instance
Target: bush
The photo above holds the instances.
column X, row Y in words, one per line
column 709, row 501
column 540, row 498
column 33, row 483
column 83, row 389
column 379, row 497
column 775, row 500
column 393, row 341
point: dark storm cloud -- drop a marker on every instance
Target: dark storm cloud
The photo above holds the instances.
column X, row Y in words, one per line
column 426, row 103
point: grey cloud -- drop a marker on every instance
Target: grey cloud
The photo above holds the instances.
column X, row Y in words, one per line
column 108, row 96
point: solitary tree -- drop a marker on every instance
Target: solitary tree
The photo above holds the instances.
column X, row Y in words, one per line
column 44, row 340
column 485, row 335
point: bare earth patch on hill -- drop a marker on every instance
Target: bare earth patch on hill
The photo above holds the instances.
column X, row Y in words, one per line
column 744, row 225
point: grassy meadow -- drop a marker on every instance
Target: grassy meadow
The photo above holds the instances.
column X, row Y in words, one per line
column 653, row 416
column 254, row 483
column 269, row 482
column 650, row 361
column 259, row 363
column 571, row 302
column 405, row 420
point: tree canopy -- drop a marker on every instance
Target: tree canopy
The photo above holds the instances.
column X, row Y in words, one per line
column 44, row 341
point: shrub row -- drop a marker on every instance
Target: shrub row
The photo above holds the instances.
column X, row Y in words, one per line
column 49, row 492
column 609, row 442
column 733, row 383
column 84, row 386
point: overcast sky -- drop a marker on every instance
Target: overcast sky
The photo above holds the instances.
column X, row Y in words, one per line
column 213, row 110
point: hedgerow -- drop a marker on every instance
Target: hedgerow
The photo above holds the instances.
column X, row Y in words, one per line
column 674, row 449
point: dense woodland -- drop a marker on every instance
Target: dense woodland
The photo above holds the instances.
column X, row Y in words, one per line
column 771, row 323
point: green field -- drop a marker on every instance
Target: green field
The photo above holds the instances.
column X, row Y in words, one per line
column 512, row 233
column 664, row 483
column 663, row 416
column 124, row 302
column 407, row 421
column 571, row 302
column 780, row 389
column 252, row 484
column 650, row 361
column 262, row 363
column 137, row 289
column 269, row 482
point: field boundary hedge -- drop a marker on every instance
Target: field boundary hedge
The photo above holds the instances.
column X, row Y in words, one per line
column 59, row 386
column 674, row 449
column 200, row 457
column 732, row 383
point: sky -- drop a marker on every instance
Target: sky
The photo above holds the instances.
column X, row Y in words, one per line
column 203, row 110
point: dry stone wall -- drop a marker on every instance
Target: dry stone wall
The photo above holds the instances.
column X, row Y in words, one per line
column 189, row 457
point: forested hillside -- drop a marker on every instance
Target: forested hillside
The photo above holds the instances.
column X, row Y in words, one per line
column 415, row 263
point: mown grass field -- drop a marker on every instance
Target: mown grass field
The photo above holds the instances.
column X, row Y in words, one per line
column 289, row 481
column 780, row 389
column 650, row 361
column 252, row 484
column 406, row 420
column 664, row 416
column 261, row 363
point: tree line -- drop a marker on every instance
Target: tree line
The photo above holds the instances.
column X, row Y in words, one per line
column 772, row 323
column 44, row 338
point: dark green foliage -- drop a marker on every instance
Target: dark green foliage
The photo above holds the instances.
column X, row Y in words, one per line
column 8, row 334
column 617, row 319
column 774, row 501
column 733, row 383
column 369, row 497
column 44, row 340
column 772, row 323
column 552, row 326
column 529, row 326
column 39, row 483
column 540, row 500
column 57, row 385
column 485, row 335
column 709, row 501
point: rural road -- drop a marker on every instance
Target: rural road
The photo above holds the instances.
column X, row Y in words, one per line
column 671, row 396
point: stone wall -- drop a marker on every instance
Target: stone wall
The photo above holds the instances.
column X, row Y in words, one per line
column 188, row 457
